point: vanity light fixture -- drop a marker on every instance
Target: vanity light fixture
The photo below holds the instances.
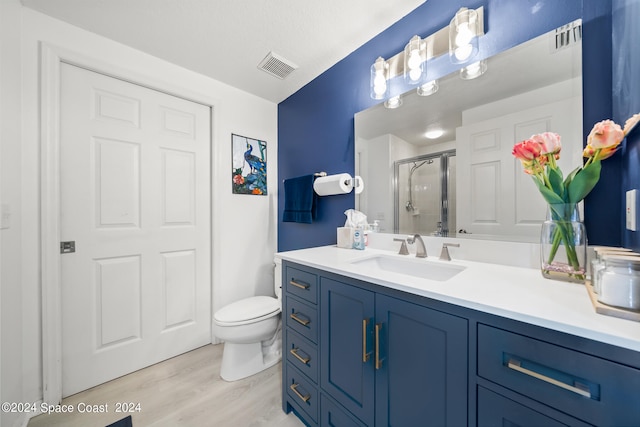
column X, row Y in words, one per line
column 474, row 70
column 415, row 61
column 459, row 39
column 463, row 36
column 429, row 88
column 393, row 102
column 379, row 77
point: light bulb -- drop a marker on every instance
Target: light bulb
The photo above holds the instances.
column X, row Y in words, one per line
column 414, row 59
column 415, row 74
column 462, row 53
column 428, row 88
column 393, row 102
column 379, row 83
column 464, row 35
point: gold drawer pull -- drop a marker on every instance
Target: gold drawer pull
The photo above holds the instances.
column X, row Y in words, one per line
column 304, row 360
column 365, row 355
column 515, row 365
column 378, row 360
column 294, row 388
column 303, row 322
column 303, row 285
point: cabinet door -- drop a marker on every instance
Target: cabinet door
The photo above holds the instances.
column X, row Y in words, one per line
column 346, row 314
column 422, row 375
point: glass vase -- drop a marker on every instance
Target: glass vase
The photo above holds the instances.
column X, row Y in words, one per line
column 563, row 244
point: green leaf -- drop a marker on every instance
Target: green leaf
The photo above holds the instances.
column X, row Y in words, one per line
column 570, row 177
column 555, row 179
column 548, row 194
column 584, row 181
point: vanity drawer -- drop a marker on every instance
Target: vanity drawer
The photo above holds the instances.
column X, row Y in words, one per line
column 496, row 410
column 596, row 390
column 302, row 318
column 302, row 392
column 302, row 284
column 302, row 354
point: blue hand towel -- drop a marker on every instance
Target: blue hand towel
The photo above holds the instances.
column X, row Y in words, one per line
column 299, row 200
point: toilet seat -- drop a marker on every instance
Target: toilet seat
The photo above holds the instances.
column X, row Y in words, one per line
column 249, row 310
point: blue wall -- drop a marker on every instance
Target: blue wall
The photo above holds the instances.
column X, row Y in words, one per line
column 626, row 96
column 315, row 125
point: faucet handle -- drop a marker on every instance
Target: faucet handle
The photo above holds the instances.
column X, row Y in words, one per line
column 403, row 247
column 444, row 255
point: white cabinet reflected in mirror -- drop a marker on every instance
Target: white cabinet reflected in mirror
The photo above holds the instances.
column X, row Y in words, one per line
column 465, row 182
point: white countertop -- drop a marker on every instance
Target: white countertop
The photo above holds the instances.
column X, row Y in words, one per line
column 513, row 292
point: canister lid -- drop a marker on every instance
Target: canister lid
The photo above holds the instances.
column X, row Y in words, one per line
column 631, row 260
column 610, row 249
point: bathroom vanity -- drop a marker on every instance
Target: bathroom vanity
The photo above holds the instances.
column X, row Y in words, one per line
column 368, row 341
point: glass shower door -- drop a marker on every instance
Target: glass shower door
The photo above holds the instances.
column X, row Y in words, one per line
column 423, row 201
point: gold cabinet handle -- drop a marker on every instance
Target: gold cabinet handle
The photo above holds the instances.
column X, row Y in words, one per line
column 297, row 284
column 365, row 355
column 378, row 363
column 303, row 322
column 516, row 366
column 304, row 360
column 294, row 388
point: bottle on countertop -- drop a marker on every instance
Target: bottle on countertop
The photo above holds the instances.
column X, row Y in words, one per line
column 358, row 238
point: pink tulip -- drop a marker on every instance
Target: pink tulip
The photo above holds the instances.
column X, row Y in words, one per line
column 588, row 152
column 605, row 134
column 631, row 123
column 549, row 142
column 526, row 150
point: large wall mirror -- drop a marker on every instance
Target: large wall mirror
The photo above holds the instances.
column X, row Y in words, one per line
column 465, row 182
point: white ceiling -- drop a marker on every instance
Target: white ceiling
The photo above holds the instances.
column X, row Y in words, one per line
column 226, row 40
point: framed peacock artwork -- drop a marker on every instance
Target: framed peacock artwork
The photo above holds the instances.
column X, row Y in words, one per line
column 248, row 165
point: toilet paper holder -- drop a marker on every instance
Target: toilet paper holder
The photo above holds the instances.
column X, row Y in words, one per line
column 327, row 185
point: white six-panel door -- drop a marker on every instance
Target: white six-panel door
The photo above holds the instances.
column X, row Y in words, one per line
column 135, row 199
column 494, row 196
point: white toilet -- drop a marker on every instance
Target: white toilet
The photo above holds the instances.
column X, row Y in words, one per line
column 252, row 333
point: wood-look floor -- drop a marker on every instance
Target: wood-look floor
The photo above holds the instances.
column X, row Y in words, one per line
column 183, row 391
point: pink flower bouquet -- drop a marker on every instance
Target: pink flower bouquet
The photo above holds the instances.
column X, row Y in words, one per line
column 538, row 156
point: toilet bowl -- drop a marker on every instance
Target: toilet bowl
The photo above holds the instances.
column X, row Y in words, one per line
column 252, row 333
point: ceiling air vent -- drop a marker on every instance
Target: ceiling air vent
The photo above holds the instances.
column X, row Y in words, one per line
column 276, row 65
column 567, row 35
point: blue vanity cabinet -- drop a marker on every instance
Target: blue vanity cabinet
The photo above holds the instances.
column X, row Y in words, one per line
column 550, row 370
column 300, row 326
column 375, row 356
column 389, row 361
column 347, row 315
column 422, row 375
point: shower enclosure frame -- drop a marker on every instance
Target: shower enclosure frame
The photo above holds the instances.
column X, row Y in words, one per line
column 444, row 157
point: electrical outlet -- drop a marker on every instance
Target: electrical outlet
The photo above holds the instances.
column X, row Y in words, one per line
column 631, row 209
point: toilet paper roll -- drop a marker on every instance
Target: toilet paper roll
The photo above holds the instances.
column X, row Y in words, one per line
column 333, row 184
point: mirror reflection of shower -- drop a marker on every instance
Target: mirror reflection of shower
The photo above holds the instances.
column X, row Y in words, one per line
column 424, row 194
column 409, row 206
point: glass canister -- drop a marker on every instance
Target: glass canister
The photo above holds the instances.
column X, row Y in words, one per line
column 619, row 281
column 597, row 263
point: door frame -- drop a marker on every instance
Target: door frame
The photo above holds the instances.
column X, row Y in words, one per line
column 51, row 58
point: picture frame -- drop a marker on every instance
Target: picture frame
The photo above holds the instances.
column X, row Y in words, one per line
column 248, row 165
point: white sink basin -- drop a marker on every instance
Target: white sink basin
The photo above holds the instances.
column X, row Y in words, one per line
column 416, row 267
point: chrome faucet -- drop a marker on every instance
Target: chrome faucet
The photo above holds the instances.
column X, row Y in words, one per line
column 444, row 255
column 421, row 250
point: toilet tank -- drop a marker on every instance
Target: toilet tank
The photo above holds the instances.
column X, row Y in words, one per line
column 277, row 277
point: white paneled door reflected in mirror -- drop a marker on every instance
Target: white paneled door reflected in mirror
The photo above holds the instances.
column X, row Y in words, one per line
column 531, row 88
